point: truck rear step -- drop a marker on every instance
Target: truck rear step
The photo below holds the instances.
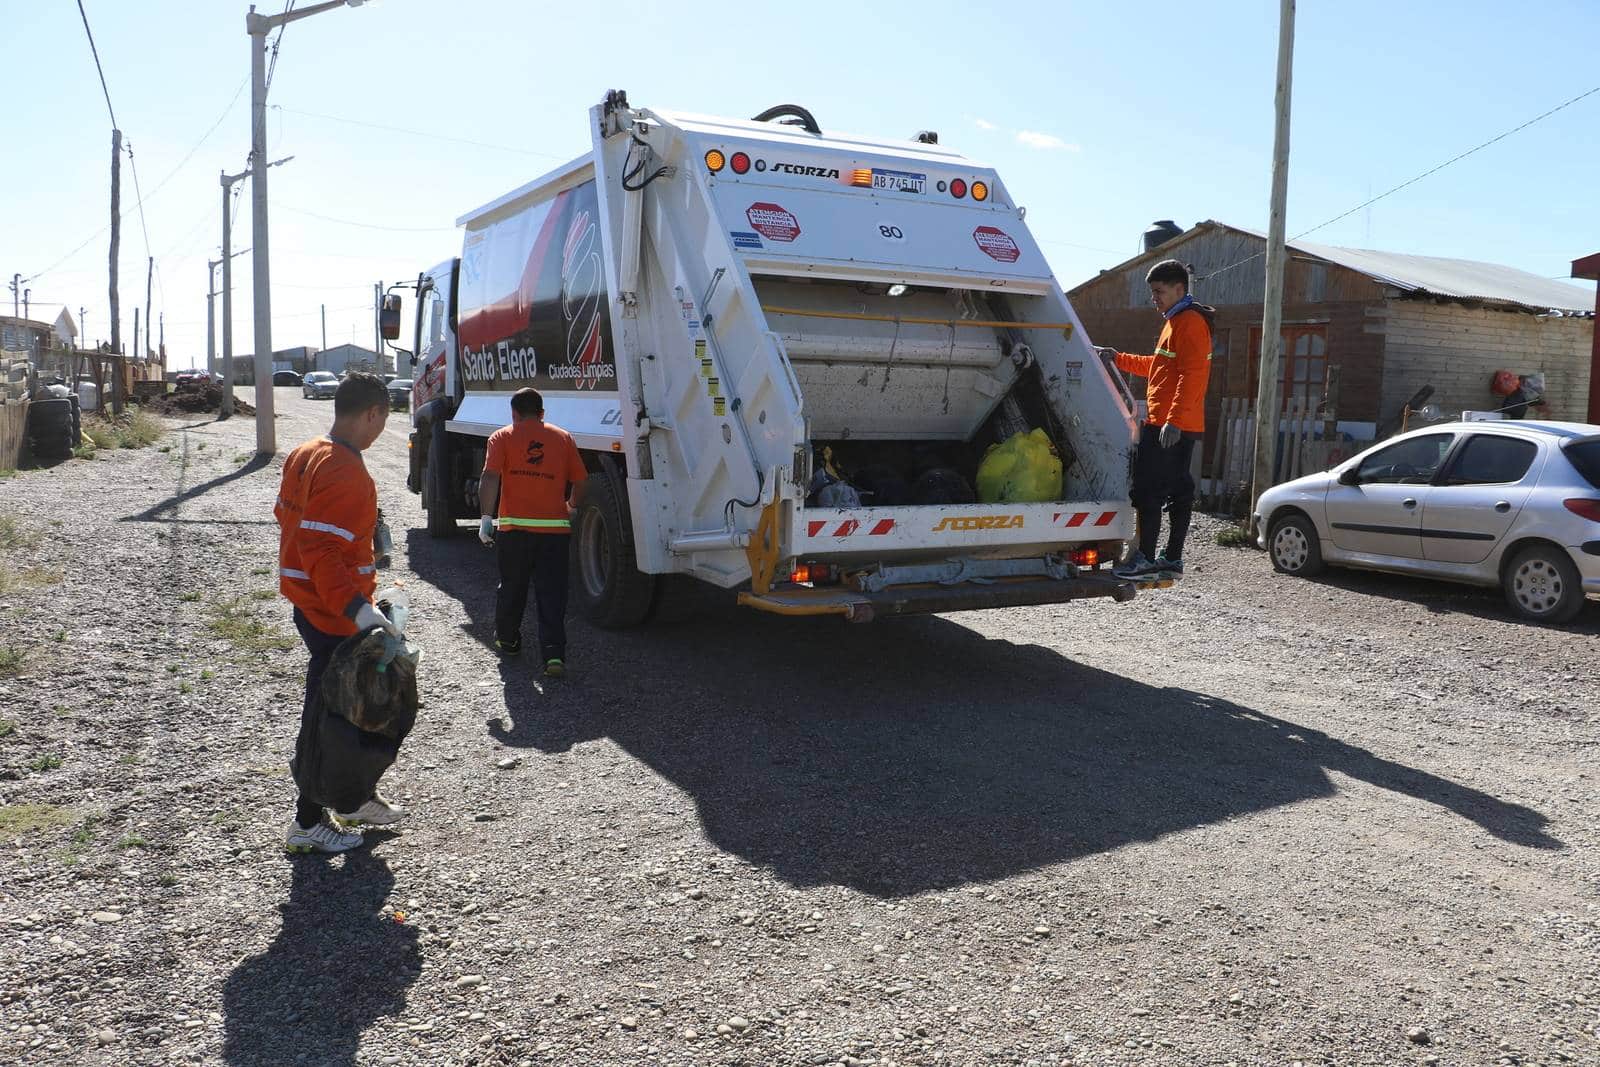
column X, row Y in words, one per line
column 857, row 606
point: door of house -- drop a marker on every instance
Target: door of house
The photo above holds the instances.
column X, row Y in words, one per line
column 1305, row 364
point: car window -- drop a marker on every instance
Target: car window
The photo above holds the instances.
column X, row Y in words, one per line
column 1585, row 455
column 1414, row 461
column 1489, row 459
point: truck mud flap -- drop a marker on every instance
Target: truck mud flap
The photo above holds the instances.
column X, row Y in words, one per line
column 857, row 606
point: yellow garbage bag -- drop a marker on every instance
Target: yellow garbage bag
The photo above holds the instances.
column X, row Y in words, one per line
column 1023, row 469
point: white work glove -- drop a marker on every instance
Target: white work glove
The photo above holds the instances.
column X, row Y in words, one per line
column 486, row 529
column 1170, row 435
column 368, row 616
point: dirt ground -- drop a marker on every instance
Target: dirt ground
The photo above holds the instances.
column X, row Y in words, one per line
column 1251, row 820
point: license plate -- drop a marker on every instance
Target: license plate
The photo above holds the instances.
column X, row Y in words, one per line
column 899, row 181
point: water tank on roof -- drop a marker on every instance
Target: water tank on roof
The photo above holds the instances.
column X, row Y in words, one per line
column 1160, row 233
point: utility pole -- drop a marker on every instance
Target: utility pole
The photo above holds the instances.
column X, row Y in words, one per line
column 150, row 272
column 226, row 409
column 116, row 248
column 26, row 313
column 16, row 283
column 377, row 326
column 211, row 317
column 258, row 26
column 324, row 327
column 1271, row 362
column 136, row 331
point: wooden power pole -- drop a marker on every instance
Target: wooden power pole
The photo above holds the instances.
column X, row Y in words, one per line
column 1271, row 361
column 116, row 248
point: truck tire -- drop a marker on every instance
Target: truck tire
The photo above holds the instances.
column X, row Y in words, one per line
column 435, row 478
column 610, row 589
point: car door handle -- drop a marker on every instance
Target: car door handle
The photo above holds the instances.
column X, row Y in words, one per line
column 1409, row 502
column 1503, row 506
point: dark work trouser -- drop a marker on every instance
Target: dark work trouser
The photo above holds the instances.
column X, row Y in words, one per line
column 541, row 557
column 321, row 646
column 1162, row 479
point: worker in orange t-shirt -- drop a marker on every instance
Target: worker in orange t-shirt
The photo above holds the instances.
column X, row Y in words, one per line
column 1178, row 373
column 531, row 476
column 327, row 514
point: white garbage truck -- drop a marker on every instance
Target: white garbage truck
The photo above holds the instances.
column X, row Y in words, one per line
column 785, row 354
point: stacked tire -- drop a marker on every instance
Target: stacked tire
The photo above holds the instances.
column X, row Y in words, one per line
column 53, row 429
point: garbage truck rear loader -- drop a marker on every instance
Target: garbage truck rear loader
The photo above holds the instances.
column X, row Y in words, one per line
column 785, row 354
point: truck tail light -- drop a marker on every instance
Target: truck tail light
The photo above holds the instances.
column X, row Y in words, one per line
column 958, row 188
column 812, row 574
column 740, row 163
column 1587, row 509
column 1086, row 557
column 980, row 191
column 715, row 161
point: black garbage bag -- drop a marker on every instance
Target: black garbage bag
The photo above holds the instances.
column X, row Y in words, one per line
column 942, row 485
column 366, row 707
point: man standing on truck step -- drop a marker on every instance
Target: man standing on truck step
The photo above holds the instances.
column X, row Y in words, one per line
column 531, row 475
column 327, row 512
column 1178, row 372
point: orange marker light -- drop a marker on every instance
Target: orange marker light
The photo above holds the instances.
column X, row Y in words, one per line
column 980, row 191
column 715, row 161
column 862, row 178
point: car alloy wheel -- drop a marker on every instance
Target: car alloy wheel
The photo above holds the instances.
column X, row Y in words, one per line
column 1537, row 586
column 1290, row 548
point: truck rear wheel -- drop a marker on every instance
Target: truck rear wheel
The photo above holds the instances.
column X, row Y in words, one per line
column 611, row 590
column 435, row 476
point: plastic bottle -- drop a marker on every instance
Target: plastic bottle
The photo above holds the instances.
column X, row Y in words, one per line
column 394, row 602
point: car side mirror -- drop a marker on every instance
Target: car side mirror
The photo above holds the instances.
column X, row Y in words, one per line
column 1350, row 476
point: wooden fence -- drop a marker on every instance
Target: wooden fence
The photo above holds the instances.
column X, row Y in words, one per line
column 1308, row 442
column 13, row 432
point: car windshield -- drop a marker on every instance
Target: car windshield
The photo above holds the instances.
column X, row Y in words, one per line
column 319, row 376
column 400, row 383
column 1584, row 454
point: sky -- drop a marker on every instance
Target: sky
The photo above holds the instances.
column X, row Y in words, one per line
column 403, row 115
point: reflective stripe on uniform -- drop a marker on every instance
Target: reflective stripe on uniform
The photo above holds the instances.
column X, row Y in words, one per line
column 290, row 572
column 327, row 527
column 1169, row 353
column 365, row 570
column 536, row 524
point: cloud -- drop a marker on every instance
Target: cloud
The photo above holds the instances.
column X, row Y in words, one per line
column 984, row 124
column 1043, row 141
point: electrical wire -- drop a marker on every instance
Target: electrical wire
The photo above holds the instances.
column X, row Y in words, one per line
column 364, row 225
column 273, row 65
column 112, row 111
column 1412, row 181
column 416, row 133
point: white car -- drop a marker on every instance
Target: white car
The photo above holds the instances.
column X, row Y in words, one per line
column 1511, row 504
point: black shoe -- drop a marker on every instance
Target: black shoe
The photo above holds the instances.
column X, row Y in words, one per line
column 508, row 650
column 1174, row 567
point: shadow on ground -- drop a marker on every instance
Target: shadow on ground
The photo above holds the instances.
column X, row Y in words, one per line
column 336, row 965
column 917, row 754
column 1449, row 598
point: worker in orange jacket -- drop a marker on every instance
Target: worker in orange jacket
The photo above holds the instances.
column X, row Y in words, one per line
column 327, row 514
column 1178, row 372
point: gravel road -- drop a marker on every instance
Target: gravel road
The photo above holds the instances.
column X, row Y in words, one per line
column 1251, row 820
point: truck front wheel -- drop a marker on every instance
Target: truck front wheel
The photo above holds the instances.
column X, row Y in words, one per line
column 435, row 480
column 610, row 589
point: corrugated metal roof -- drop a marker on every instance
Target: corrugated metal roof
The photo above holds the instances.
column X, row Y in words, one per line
column 1464, row 279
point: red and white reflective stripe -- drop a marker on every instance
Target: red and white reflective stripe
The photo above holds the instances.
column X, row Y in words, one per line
column 1078, row 518
column 327, row 527
column 290, row 572
column 847, row 528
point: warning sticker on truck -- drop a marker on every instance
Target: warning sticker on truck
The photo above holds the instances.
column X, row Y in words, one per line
column 996, row 244
column 773, row 222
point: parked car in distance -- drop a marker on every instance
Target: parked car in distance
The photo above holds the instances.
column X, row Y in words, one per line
column 191, row 377
column 400, row 393
column 1512, row 504
column 285, row 377
column 319, row 384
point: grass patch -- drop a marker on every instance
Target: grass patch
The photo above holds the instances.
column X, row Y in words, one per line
column 27, row 578
column 241, row 458
column 260, row 570
column 129, row 759
column 1234, row 537
column 185, row 687
column 48, row 762
column 59, row 637
column 7, row 472
column 235, row 622
column 264, row 594
column 166, row 880
column 83, row 452
column 19, row 819
column 189, row 598
column 133, row 841
column 14, row 533
column 11, row 660
column 207, row 674
column 7, row 728
column 164, row 448
column 135, row 429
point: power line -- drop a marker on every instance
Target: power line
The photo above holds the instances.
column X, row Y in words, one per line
column 97, row 67
column 272, row 66
column 1418, row 178
column 417, row 133
column 364, row 225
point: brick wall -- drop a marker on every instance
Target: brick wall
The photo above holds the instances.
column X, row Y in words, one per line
column 1457, row 349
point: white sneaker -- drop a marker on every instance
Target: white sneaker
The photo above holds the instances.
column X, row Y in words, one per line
column 318, row 838
column 378, row 811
